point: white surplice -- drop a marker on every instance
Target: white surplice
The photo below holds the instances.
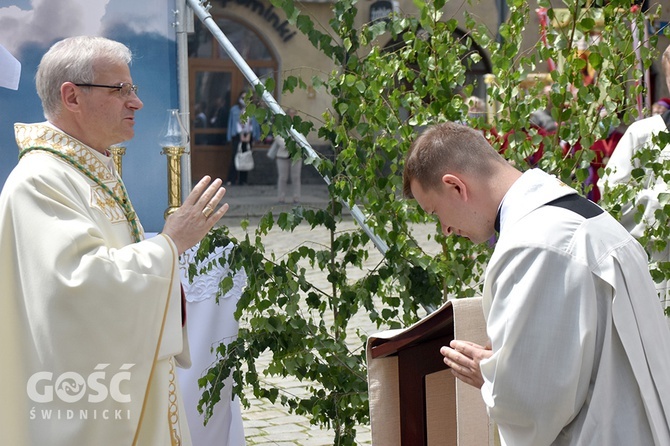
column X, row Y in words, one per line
column 90, row 320
column 619, row 170
column 211, row 322
column 581, row 348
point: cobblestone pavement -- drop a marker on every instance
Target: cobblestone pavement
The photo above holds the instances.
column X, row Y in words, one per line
column 253, row 201
column 267, row 424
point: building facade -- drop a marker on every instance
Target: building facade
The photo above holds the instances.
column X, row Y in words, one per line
column 275, row 48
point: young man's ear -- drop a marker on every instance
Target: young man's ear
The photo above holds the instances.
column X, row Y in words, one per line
column 454, row 182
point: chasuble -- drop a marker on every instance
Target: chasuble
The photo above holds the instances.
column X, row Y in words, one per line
column 90, row 313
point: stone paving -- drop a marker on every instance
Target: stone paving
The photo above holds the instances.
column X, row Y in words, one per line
column 253, row 201
column 268, row 424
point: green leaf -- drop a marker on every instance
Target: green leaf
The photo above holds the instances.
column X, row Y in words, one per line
column 587, row 24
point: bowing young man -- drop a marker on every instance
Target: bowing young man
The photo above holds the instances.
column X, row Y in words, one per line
column 580, row 350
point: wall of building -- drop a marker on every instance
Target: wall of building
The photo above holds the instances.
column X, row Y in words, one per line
column 298, row 57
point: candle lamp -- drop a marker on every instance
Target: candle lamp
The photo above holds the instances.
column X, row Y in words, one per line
column 174, row 139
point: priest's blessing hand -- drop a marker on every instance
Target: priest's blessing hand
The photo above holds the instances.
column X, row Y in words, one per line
column 193, row 220
column 463, row 357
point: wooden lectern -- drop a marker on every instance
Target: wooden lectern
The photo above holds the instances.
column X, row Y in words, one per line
column 414, row 398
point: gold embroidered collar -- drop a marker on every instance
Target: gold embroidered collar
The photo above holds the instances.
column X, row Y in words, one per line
column 43, row 137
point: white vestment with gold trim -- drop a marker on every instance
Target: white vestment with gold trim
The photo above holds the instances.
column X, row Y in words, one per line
column 90, row 319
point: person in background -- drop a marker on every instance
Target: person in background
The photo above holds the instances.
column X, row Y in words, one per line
column 619, row 170
column 476, row 107
column 241, row 135
column 602, row 149
column 91, row 315
column 661, row 106
column 219, row 115
column 212, row 321
column 286, row 167
column 579, row 348
column 218, row 119
column 200, row 120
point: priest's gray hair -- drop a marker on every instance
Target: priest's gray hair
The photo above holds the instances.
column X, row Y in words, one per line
column 73, row 60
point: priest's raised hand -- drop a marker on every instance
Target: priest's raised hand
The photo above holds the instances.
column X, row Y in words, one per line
column 198, row 215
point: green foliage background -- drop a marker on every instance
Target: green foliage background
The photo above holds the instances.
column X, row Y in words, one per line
column 381, row 98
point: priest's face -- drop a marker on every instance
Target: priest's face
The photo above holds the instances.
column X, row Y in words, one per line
column 108, row 115
column 454, row 207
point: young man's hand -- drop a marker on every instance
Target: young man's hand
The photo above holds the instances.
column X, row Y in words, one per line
column 463, row 358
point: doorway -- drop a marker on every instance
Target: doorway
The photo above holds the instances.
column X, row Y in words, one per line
column 214, row 82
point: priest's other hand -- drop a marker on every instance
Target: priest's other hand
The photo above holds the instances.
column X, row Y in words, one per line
column 194, row 219
column 463, row 358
